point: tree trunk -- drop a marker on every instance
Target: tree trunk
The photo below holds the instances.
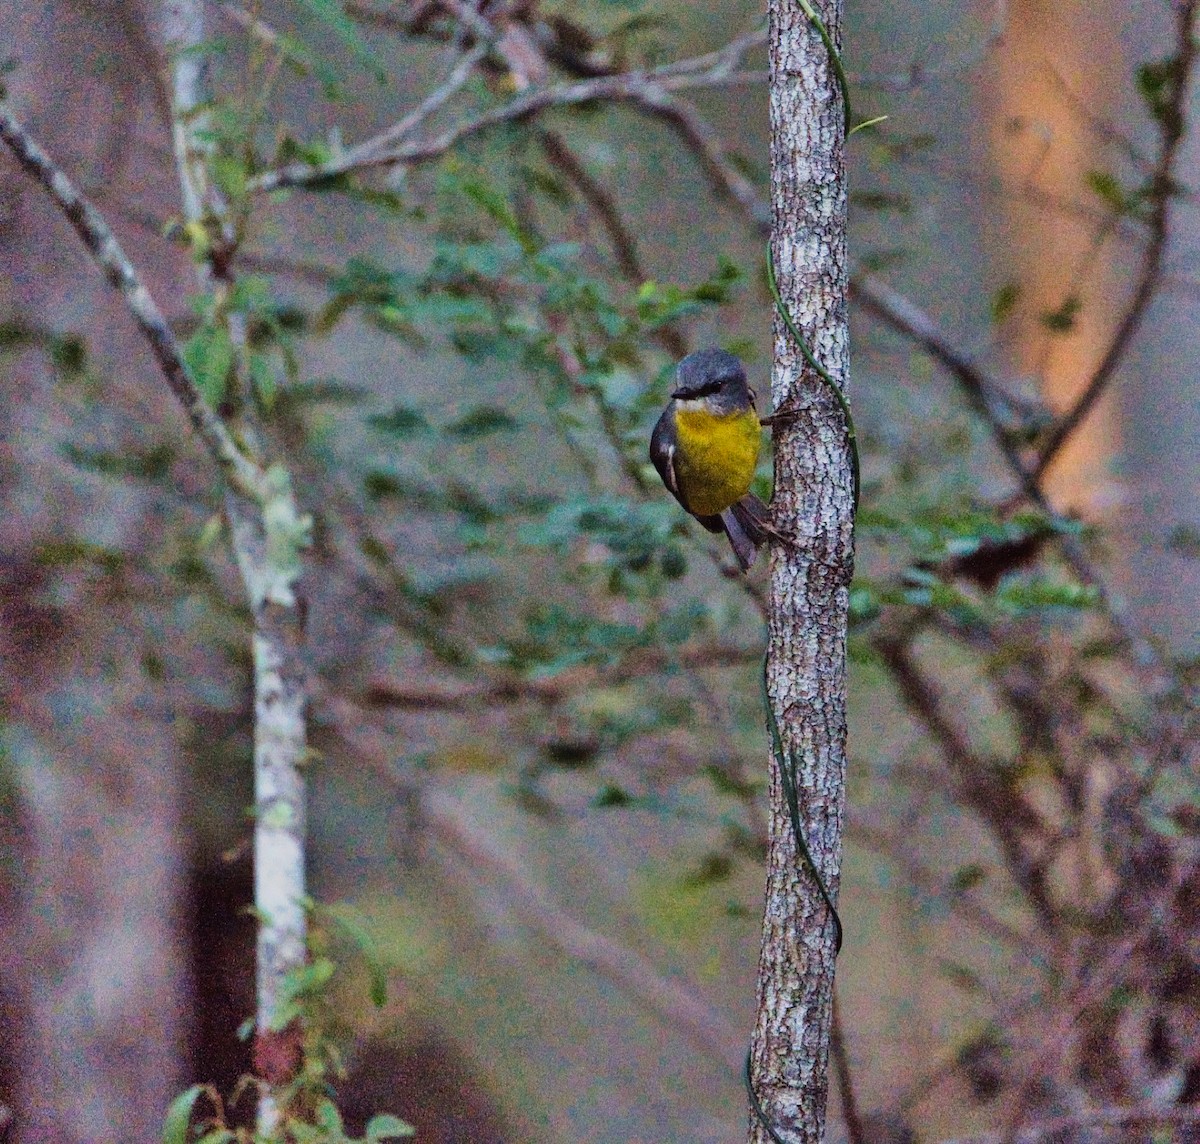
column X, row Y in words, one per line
column 1060, row 64
column 806, row 661
column 267, row 539
column 92, row 963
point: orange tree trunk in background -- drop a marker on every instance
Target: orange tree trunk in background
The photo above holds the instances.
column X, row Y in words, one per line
column 1056, row 72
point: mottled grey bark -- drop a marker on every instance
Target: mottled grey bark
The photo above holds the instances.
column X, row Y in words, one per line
column 810, row 580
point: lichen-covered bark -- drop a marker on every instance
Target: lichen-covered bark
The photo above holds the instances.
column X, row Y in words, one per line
column 810, row 580
column 268, row 534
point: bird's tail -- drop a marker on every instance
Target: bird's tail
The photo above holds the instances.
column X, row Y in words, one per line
column 747, row 523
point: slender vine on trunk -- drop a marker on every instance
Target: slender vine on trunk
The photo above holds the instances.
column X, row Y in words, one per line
column 814, row 504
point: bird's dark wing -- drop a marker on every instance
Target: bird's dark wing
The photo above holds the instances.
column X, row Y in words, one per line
column 662, row 451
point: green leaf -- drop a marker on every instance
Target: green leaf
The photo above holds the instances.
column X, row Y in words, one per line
column 881, row 201
column 402, row 422
column 262, row 381
column 1157, row 84
column 1004, row 301
column 69, row 353
column 1109, row 189
column 179, row 1115
column 328, row 1118
column 1062, row 320
column 961, row 976
column 380, row 485
column 496, row 206
column 321, row 391
column 347, row 923
column 334, row 17
column 300, row 985
column 611, row 795
column 1020, row 597
column 208, row 355
column 481, row 421
column 725, row 783
column 968, row 877
column 1184, row 540
column 713, row 868
column 150, row 464
column 69, row 552
column 386, row 1127
column 230, row 174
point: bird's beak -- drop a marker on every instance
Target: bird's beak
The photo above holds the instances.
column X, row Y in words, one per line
column 680, row 395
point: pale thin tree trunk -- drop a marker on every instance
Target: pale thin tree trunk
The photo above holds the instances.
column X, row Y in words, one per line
column 269, row 572
column 810, row 580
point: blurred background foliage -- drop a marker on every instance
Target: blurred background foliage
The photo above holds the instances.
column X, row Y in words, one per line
column 538, row 770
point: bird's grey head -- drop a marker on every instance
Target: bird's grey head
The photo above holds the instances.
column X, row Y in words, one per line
column 715, row 377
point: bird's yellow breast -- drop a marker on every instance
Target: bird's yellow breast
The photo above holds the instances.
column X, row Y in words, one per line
column 715, row 457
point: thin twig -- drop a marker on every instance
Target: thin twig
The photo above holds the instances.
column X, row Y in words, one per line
column 1104, row 129
column 1013, row 821
column 977, row 384
column 624, row 244
column 436, row 99
column 855, row 1130
column 500, row 692
column 676, row 1004
column 255, row 25
column 919, row 74
column 706, row 145
column 865, row 832
column 601, row 200
column 647, row 88
column 108, row 254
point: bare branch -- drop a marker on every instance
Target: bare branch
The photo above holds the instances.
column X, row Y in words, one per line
column 935, row 883
column 979, row 387
column 920, row 74
column 363, row 155
column 636, row 665
column 108, row 254
column 601, row 200
column 903, row 316
column 268, row 539
column 706, row 145
column 1012, row 820
column 1099, row 982
column 679, row 1006
column 648, row 88
column 1104, row 129
column 1136, row 1116
column 253, row 24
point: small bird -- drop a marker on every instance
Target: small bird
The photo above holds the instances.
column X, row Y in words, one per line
column 705, row 447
